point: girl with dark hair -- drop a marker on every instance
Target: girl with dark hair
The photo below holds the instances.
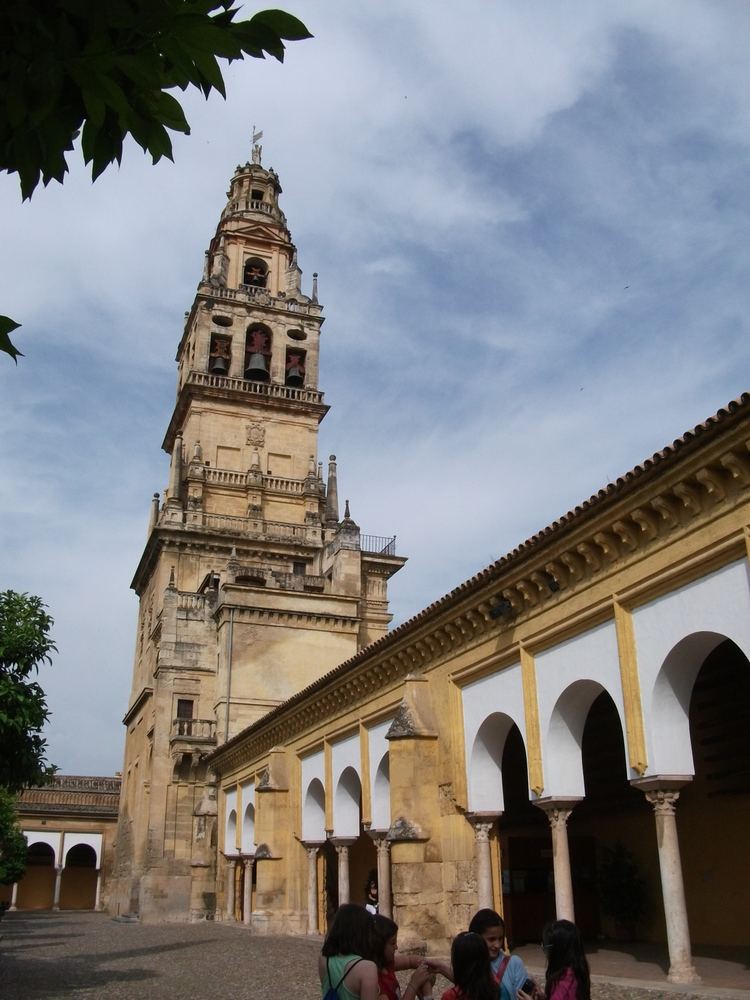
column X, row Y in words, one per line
column 384, row 953
column 567, row 969
column 508, row 970
column 470, row 966
column 344, row 963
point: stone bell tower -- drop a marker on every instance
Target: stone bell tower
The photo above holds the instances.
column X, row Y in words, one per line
column 251, row 585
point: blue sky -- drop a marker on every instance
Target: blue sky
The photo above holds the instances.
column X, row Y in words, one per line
column 530, row 222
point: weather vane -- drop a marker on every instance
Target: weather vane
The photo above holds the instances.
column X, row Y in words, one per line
column 257, row 150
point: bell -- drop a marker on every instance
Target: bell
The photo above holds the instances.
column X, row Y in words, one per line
column 257, row 368
column 218, row 365
column 295, row 375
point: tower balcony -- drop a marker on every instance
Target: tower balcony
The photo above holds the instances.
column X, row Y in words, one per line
column 190, row 733
column 261, row 296
column 270, row 390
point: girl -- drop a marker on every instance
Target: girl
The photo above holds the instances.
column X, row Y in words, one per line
column 384, row 948
column 567, row 969
column 508, row 970
column 470, row 965
column 344, row 964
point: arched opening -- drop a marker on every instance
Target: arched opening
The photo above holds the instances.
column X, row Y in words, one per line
column 713, row 812
column 527, row 884
column 485, row 768
column 314, row 812
column 381, row 795
column 36, row 890
column 257, row 366
column 78, row 882
column 347, row 825
column 255, row 271
column 248, row 829
column 294, row 368
column 612, row 817
column 230, row 838
column 220, row 354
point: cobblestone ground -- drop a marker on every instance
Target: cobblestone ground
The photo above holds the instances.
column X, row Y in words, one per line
column 76, row 955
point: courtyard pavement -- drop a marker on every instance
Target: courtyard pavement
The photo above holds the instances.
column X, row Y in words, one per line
column 76, row 955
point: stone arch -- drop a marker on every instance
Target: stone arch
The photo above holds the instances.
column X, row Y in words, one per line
column 314, row 812
column 670, row 703
column 78, row 881
column 563, row 764
column 381, row 794
column 230, row 837
column 37, row 888
column 248, row 829
column 346, row 804
column 485, row 764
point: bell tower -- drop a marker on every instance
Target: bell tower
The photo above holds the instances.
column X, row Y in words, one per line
column 250, row 585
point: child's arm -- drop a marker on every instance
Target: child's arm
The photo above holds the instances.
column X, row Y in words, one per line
column 441, row 966
column 401, row 962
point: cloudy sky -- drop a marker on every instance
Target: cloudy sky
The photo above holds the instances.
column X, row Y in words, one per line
column 530, row 222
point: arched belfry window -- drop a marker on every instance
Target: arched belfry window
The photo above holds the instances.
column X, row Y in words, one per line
column 258, row 353
column 220, row 354
column 255, row 273
column 295, row 367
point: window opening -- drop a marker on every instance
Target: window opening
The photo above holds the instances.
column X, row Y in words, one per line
column 257, row 354
column 255, row 273
column 295, row 367
column 220, row 354
column 184, row 708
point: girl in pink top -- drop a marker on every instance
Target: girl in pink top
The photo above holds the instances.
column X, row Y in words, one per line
column 567, row 969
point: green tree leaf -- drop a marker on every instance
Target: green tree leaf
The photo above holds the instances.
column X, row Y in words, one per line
column 7, row 326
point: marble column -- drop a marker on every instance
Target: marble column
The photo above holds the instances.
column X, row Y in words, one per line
column 383, row 847
column 98, row 899
column 58, row 885
column 312, row 885
column 247, row 889
column 231, row 865
column 483, row 823
column 342, row 851
column 663, row 796
column 558, row 812
column 14, row 896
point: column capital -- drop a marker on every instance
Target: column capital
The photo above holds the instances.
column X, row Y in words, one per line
column 342, row 844
column 483, row 823
column 248, row 861
column 558, row 810
column 662, row 791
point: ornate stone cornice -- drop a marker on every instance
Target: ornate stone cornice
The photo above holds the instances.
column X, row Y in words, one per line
column 662, row 500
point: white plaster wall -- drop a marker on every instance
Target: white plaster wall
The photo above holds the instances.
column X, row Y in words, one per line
column 501, row 692
column 313, row 814
column 579, row 668
column 53, row 840
column 698, row 616
column 380, row 797
column 93, row 840
column 247, row 798
column 230, row 806
column 345, row 754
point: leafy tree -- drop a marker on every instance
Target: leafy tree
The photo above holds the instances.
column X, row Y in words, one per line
column 12, row 842
column 102, row 69
column 25, row 642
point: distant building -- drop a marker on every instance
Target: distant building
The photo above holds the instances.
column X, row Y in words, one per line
column 589, row 688
column 69, row 827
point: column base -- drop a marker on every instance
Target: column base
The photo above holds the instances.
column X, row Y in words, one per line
column 683, row 973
